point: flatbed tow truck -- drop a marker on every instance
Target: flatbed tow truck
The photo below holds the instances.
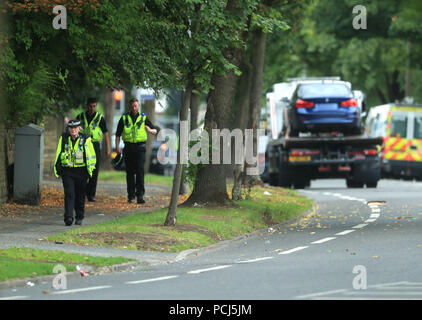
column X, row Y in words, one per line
column 295, row 161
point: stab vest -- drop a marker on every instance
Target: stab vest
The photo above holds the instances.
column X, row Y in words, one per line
column 92, row 129
column 134, row 132
column 81, row 154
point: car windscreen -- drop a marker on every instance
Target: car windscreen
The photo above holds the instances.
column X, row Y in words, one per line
column 324, row 90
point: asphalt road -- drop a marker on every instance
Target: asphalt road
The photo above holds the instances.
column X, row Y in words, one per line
column 347, row 249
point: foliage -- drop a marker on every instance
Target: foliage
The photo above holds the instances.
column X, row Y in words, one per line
column 374, row 60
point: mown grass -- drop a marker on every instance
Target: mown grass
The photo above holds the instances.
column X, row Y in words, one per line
column 196, row 227
column 120, row 176
column 18, row 263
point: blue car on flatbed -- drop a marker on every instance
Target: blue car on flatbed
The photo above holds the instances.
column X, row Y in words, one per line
column 325, row 106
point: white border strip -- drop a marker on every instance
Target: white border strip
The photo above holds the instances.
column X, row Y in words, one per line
column 324, row 240
column 208, row 269
column 81, row 290
column 151, row 280
column 255, row 260
column 344, row 232
column 293, row 250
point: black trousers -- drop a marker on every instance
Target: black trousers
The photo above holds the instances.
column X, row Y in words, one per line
column 74, row 185
column 134, row 160
column 91, row 188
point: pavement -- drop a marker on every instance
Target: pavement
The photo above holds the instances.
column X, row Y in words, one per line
column 27, row 227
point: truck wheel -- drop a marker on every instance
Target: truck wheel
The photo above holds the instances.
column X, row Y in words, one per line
column 353, row 184
column 284, row 173
column 284, row 181
column 273, row 179
column 300, row 185
column 371, row 184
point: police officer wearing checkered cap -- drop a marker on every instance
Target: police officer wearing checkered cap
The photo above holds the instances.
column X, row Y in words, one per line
column 75, row 162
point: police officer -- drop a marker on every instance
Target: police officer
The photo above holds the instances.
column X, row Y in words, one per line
column 133, row 128
column 94, row 125
column 75, row 162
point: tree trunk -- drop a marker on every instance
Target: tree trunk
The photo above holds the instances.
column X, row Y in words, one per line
column 241, row 121
column 149, row 110
column 194, row 108
column 194, row 105
column 257, row 61
column 109, row 108
column 210, row 186
column 171, row 214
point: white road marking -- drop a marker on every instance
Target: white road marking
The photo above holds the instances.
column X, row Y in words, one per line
column 362, row 298
column 360, row 226
column 344, row 232
column 14, row 298
column 293, row 250
column 208, row 269
column 349, row 198
column 375, row 210
column 375, row 215
column 319, row 294
column 80, row 290
column 256, row 260
column 386, row 293
column 324, row 240
column 370, row 220
column 151, row 280
column 393, row 290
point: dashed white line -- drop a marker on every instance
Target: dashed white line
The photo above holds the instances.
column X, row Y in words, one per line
column 360, row 226
column 256, row 260
column 208, row 269
column 374, row 215
column 324, row 240
column 375, row 210
column 293, row 250
column 319, row 294
column 370, row 220
column 14, row 298
column 344, row 232
column 151, row 280
column 81, row 290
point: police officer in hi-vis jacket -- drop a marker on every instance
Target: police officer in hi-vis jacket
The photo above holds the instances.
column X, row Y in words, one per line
column 75, row 162
column 94, row 125
column 133, row 128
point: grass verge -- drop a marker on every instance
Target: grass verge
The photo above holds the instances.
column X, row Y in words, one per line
column 196, row 227
column 18, row 263
column 120, row 176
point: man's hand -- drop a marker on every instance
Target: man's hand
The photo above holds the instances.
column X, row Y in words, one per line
column 149, row 130
column 118, row 150
column 107, row 138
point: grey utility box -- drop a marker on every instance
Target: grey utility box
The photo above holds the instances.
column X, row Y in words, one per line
column 29, row 152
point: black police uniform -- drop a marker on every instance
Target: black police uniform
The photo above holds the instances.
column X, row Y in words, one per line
column 74, row 180
column 91, row 188
column 134, row 155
